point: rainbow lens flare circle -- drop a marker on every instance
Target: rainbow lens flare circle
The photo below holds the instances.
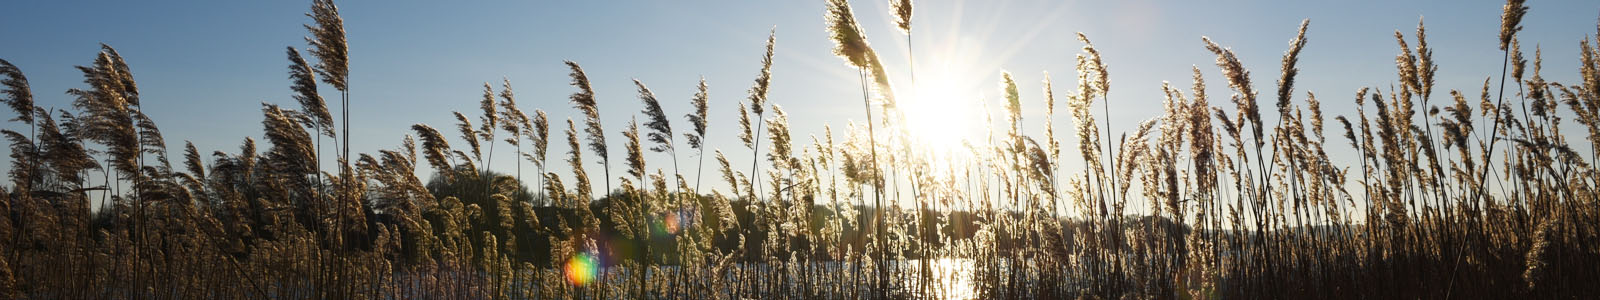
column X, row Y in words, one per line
column 581, row 269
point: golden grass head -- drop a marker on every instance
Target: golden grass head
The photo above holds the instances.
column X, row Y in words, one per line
column 635, row 160
column 514, row 119
column 328, row 43
column 746, row 129
column 1288, row 70
column 1102, row 79
column 121, row 76
column 1238, row 79
column 1008, row 87
column 468, row 133
column 697, row 119
column 584, row 101
column 660, row 129
column 491, row 116
column 575, row 160
column 900, row 10
column 1511, row 21
column 305, row 88
column 17, row 93
column 758, row 91
column 781, row 153
column 540, row 135
column 849, row 42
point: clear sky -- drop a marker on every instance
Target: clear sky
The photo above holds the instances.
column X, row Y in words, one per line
column 204, row 66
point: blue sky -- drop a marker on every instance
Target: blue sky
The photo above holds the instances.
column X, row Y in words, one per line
column 204, row 66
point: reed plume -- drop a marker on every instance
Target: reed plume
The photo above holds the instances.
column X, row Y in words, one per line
column 106, row 114
column 1054, row 149
column 20, row 98
column 635, row 158
column 746, row 132
column 22, row 149
column 758, row 103
column 1083, row 120
column 575, row 160
column 1008, row 90
column 469, row 134
column 633, row 215
column 851, row 45
column 304, row 80
column 900, row 10
column 304, row 85
column 660, row 128
column 697, row 121
column 1511, row 21
column 63, row 150
column 122, row 77
column 1288, row 71
column 782, row 154
column 1093, row 72
column 17, row 93
column 515, row 122
column 489, row 121
column 291, row 151
column 435, row 149
column 728, row 174
column 539, row 134
column 1425, row 65
column 583, row 100
column 763, row 81
column 1238, row 79
column 1102, row 78
column 849, row 42
column 328, row 43
column 108, row 105
column 152, row 143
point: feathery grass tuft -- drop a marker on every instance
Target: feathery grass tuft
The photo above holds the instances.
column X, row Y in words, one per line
column 18, row 95
column 900, row 10
column 1511, row 21
column 328, row 44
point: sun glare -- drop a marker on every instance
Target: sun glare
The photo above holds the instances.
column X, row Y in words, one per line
column 942, row 116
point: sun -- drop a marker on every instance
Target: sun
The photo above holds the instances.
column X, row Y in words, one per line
column 942, row 116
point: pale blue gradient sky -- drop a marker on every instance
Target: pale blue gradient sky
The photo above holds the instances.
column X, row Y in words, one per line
column 204, row 66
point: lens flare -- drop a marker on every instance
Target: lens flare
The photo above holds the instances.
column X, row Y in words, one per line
column 581, row 269
column 671, row 223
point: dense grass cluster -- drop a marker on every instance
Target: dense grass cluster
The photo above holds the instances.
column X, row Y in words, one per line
column 1474, row 194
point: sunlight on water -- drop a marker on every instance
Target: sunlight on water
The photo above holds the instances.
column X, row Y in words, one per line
column 951, row 279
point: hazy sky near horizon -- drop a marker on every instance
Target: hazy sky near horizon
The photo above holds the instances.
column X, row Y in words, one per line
column 204, row 67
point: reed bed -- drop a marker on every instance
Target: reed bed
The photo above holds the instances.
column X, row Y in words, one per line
column 1446, row 197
